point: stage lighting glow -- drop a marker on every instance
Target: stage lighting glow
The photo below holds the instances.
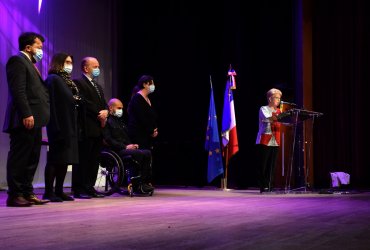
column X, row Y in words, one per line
column 40, row 3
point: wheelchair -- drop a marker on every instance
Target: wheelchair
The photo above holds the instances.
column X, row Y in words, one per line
column 118, row 175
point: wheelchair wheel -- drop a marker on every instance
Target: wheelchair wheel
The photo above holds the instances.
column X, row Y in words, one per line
column 110, row 173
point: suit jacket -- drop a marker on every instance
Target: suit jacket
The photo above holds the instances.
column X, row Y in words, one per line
column 115, row 133
column 91, row 106
column 28, row 95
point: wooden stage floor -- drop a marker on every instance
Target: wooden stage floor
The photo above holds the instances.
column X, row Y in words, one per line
column 192, row 218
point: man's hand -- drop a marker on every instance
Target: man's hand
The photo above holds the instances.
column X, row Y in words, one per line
column 103, row 115
column 29, row 122
column 132, row 146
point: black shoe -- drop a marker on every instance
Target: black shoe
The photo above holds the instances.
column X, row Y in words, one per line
column 64, row 197
column 52, row 197
column 96, row 195
column 81, row 196
column 264, row 190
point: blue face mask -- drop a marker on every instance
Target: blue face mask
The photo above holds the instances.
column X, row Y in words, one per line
column 151, row 88
column 38, row 55
column 96, row 72
column 68, row 68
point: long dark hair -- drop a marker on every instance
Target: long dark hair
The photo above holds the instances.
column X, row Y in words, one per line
column 57, row 62
column 140, row 84
column 57, row 67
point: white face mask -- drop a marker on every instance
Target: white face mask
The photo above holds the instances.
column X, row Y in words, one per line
column 151, row 88
column 68, row 68
column 118, row 112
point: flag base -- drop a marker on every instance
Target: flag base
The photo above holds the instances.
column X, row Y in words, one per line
column 224, row 183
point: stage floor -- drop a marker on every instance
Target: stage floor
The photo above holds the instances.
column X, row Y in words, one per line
column 192, row 218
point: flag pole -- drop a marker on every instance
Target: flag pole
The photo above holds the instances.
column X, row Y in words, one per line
column 226, row 156
column 230, row 115
column 224, row 180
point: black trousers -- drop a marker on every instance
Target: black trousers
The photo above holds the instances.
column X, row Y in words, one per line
column 84, row 174
column 144, row 158
column 266, row 157
column 23, row 158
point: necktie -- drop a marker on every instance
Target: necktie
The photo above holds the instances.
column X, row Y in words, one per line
column 96, row 87
column 38, row 71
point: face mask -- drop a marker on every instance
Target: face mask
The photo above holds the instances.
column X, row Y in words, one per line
column 38, row 55
column 118, row 112
column 96, row 72
column 68, row 68
column 151, row 88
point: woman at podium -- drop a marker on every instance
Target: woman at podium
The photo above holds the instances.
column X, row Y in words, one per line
column 268, row 139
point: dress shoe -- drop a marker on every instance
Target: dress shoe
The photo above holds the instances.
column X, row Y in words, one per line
column 64, row 197
column 34, row 200
column 81, row 196
column 17, row 201
column 97, row 195
column 264, row 190
column 52, row 197
column 94, row 194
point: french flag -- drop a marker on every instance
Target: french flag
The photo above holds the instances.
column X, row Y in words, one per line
column 229, row 133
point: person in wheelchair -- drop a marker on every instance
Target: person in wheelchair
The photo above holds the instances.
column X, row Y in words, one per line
column 116, row 137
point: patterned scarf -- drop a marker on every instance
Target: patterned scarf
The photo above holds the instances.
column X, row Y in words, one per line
column 70, row 83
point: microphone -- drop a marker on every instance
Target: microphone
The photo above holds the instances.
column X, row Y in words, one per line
column 289, row 103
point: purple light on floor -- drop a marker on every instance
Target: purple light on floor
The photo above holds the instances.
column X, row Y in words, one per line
column 40, row 3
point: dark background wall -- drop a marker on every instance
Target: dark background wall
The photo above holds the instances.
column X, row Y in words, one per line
column 341, row 53
column 182, row 43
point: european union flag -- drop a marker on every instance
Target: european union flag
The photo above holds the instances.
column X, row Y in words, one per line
column 212, row 145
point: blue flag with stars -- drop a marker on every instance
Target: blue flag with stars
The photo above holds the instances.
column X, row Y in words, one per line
column 212, row 145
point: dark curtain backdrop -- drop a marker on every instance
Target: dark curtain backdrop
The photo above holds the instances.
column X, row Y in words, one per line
column 341, row 89
column 182, row 43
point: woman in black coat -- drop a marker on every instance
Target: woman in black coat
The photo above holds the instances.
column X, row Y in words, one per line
column 142, row 125
column 62, row 129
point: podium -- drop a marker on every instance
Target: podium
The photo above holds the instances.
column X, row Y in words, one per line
column 293, row 117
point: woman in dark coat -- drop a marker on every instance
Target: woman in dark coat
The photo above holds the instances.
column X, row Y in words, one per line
column 142, row 125
column 62, row 129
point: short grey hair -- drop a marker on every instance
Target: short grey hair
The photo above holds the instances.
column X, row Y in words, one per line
column 272, row 92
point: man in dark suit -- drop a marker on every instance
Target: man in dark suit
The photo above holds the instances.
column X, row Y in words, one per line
column 27, row 112
column 94, row 116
